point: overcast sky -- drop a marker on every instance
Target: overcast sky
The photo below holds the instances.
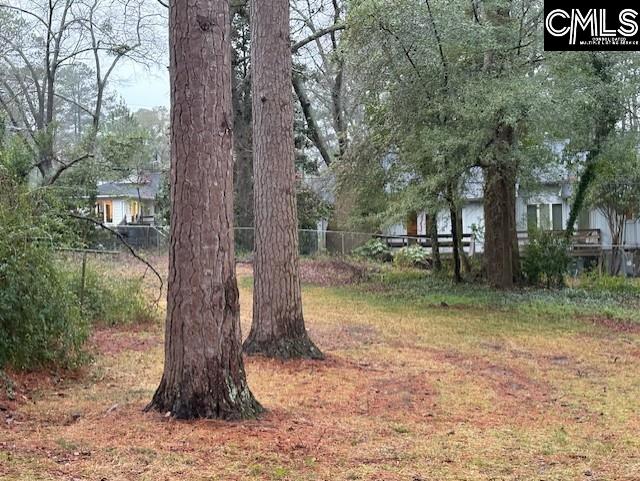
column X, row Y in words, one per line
column 141, row 88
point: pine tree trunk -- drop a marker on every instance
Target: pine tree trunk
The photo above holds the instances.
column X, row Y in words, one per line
column 203, row 372
column 278, row 328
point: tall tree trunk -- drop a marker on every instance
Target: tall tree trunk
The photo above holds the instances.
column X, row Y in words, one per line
column 278, row 328
column 501, row 240
column 203, row 372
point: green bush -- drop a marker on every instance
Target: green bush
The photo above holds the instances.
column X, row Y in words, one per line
column 545, row 259
column 110, row 301
column 375, row 250
column 40, row 320
column 412, row 256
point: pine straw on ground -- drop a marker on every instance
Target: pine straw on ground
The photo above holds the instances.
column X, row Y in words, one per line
column 405, row 394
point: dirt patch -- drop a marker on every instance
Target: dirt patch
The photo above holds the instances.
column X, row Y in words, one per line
column 17, row 388
column 332, row 272
column 400, row 396
column 507, row 382
column 347, row 336
column 615, row 325
column 244, row 269
column 114, row 340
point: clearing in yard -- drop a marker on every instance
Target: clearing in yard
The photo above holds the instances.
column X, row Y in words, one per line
column 421, row 382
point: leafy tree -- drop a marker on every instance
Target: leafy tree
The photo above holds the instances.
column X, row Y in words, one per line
column 594, row 91
column 455, row 87
column 615, row 190
column 49, row 51
column 311, row 207
column 125, row 146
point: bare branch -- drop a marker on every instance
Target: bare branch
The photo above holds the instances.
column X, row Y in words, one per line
column 66, row 166
column 316, row 35
column 77, row 104
column 125, row 243
column 26, row 12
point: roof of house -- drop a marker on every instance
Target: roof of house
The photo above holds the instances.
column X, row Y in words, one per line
column 145, row 185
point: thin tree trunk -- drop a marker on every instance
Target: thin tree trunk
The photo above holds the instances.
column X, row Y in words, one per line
column 435, row 245
column 203, row 372
column 466, row 265
column 278, row 328
column 457, row 276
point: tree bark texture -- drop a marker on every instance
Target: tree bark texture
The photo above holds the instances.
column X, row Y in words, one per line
column 278, row 328
column 501, row 241
column 203, row 372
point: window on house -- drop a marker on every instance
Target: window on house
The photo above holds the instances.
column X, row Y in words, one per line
column 134, row 208
column 583, row 219
column 544, row 216
column 556, row 216
column 108, row 211
column 532, row 216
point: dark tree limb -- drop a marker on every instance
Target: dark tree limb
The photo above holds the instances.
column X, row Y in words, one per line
column 125, row 243
column 312, row 126
column 66, row 166
column 316, row 35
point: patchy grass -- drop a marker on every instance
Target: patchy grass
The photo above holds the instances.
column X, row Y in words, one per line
column 591, row 297
column 481, row 387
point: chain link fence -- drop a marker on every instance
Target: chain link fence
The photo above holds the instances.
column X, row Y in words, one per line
column 156, row 239
column 618, row 259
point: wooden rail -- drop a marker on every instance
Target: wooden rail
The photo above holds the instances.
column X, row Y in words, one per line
column 584, row 243
column 444, row 240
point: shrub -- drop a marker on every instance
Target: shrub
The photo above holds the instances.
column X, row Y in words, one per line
column 594, row 281
column 412, row 256
column 40, row 320
column 110, row 301
column 545, row 259
column 375, row 249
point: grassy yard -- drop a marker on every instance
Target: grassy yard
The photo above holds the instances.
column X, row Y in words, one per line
column 423, row 381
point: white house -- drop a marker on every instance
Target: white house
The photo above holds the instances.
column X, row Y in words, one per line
column 546, row 206
column 129, row 201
